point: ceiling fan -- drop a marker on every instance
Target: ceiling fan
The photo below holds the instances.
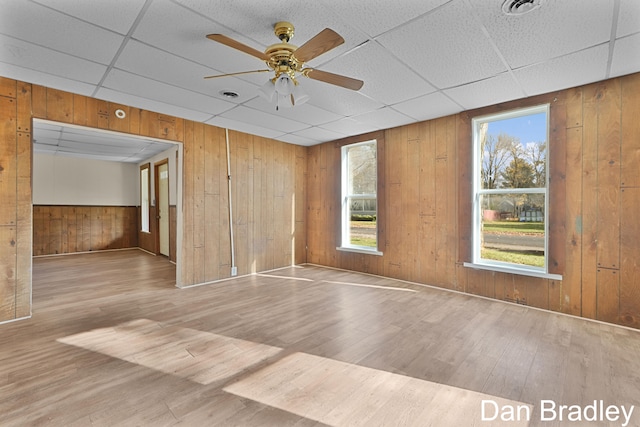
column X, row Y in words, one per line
column 288, row 63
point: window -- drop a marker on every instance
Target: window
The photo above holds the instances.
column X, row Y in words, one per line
column 144, row 197
column 359, row 198
column 510, row 191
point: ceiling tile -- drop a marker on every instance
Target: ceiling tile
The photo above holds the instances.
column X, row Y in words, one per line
column 277, row 121
column 178, row 30
column 34, row 57
column 227, row 123
column 446, row 47
column 89, row 148
column 45, row 149
column 626, row 56
column 298, row 140
column 151, row 105
column 628, row 18
column 386, row 79
column 116, row 15
column 377, row 17
column 349, row 126
column 123, row 81
column 384, row 118
column 76, row 141
column 428, row 106
column 305, row 113
column 486, row 92
column 40, row 25
column 255, row 21
column 159, row 65
column 319, row 134
column 338, row 100
column 568, row 71
column 45, row 79
column 554, row 29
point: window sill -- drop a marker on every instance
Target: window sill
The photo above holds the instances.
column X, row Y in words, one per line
column 359, row 250
column 513, row 270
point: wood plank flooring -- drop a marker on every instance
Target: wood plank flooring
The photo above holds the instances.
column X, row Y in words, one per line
column 112, row 342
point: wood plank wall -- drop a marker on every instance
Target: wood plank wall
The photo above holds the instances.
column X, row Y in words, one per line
column 269, row 188
column 69, row 229
column 268, row 197
column 15, row 199
column 425, row 215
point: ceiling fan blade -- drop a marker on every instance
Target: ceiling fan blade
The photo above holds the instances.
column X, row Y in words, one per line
column 323, row 42
column 220, row 38
column 334, row 79
column 236, row 74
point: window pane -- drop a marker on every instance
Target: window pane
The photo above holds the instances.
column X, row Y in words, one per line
column 512, row 161
column 361, row 169
column 144, row 198
column 513, row 228
column 362, row 222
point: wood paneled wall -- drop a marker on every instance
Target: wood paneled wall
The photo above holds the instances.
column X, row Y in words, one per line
column 268, row 191
column 69, row 229
column 15, row 199
column 268, row 179
column 425, row 221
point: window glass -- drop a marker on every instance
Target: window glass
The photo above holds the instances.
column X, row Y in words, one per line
column 510, row 182
column 359, row 190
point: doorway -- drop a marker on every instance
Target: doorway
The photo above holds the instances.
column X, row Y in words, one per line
column 162, row 201
column 86, row 190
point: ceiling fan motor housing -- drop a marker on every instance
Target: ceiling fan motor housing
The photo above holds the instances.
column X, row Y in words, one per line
column 284, row 30
column 281, row 55
column 282, row 60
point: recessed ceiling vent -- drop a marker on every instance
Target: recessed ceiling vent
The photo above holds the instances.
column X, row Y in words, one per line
column 229, row 94
column 520, row 7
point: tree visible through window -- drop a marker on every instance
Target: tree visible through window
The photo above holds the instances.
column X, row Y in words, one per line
column 359, row 191
column 510, row 189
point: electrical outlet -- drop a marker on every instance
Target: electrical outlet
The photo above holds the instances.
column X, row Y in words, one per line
column 234, row 271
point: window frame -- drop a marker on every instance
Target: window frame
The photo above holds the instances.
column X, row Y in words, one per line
column 477, row 261
column 345, row 199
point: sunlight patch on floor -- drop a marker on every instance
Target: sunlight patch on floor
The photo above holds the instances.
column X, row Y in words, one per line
column 338, row 393
column 202, row 357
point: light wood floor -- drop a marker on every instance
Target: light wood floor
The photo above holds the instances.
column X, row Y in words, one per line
column 113, row 342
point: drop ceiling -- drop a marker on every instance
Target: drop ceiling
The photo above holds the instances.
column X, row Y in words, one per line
column 75, row 141
column 419, row 59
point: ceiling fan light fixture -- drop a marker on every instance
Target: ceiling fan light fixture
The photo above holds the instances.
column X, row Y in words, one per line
column 284, row 84
column 267, row 91
column 284, row 101
column 286, row 90
column 299, row 95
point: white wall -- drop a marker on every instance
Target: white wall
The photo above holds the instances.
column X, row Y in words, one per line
column 60, row 180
